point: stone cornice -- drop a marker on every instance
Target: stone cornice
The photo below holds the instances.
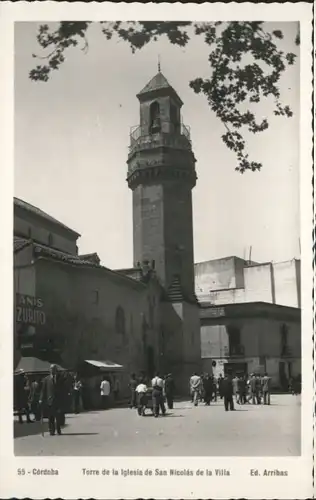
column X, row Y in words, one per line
column 162, row 172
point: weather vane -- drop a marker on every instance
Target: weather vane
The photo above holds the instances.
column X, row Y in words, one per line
column 159, row 68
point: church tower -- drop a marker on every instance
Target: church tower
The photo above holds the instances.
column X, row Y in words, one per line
column 161, row 174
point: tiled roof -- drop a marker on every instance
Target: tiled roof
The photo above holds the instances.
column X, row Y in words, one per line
column 175, row 293
column 19, row 243
column 45, row 251
column 91, row 257
column 37, row 211
column 158, row 82
column 134, row 272
column 51, row 253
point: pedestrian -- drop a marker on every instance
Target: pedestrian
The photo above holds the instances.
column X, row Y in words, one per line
column 254, row 389
column 196, row 387
column 116, row 388
column 77, row 390
column 258, row 388
column 214, row 389
column 235, row 388
column 105, row 388
column 266, row 382
column 201, row 390
column 157, row 395
column 228, row 391
column 52, row 400
column 22, row 388
column 169, row 389
column 208, row 389
column 242, row 388
column 132, row 386
column 141, row 395
column 34, row 399
column 219, row 383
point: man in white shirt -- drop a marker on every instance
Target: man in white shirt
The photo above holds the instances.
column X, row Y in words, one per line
column 158, row 400
column 141, row 391
column 196, row 387
column 105, row 392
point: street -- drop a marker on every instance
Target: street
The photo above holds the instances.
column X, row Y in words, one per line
column 185, row 431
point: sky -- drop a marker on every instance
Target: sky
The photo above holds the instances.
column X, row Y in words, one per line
column 72, row 137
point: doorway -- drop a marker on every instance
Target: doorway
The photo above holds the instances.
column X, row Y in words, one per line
column 235, row 369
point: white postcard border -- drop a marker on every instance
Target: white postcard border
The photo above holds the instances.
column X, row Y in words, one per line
column 71, row 483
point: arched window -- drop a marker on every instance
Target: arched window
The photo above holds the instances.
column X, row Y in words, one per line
column 120, row 321
column 50, row 240
column 174, row 118
column 284, row 331
column 155, row 124
column 151, row 313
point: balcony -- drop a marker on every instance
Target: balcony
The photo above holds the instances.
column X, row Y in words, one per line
column 236, row 350
column 168, row 136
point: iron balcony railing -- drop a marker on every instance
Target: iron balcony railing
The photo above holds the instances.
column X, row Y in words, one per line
column 168, row 134
column 236, row 350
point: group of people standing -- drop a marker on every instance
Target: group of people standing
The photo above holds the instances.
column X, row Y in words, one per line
column 145, row 392
column 52, row 396
column 42, row 397
column 254, row 389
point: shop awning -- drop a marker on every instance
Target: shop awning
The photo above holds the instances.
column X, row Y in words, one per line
column 30, row 364
column 105, row 366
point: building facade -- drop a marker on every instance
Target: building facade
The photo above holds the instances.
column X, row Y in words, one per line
column 250, row 317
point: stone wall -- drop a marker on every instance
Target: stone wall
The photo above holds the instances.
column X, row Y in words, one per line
column 163, row 230
column 82, row 306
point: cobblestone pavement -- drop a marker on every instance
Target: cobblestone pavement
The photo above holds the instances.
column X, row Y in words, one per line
column 185, row 431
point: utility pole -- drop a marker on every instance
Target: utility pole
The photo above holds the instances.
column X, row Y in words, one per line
column 250, row 250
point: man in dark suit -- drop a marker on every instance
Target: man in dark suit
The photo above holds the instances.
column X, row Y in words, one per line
column 52, row 399
column 266, row 382
column 169, row 390
column 228, row 391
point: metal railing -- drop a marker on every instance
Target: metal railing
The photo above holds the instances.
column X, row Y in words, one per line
column 172, row 135
column 236, row 350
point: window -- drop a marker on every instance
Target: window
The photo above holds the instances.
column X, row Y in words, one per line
column 235, row 347
column 154, row 117
column 29, row 232
column 50, row 239
column 174, row 117
column 95, row 296
column 151, row 313
column 284, row 339
column 120, row 321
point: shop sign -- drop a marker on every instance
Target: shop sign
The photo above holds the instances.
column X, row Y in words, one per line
column 29, row 310
column 216, row 312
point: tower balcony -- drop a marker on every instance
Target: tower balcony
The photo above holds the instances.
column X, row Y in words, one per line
column 168, row 135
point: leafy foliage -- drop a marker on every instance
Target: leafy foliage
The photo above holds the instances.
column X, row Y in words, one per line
column 245, row 62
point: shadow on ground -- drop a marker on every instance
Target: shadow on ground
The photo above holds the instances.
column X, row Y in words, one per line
column 33, row 429
column 79, row 434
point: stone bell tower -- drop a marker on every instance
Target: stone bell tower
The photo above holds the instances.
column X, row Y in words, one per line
column 161, row 174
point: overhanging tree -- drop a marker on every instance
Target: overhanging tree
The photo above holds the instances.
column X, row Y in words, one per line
column 245, row 61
